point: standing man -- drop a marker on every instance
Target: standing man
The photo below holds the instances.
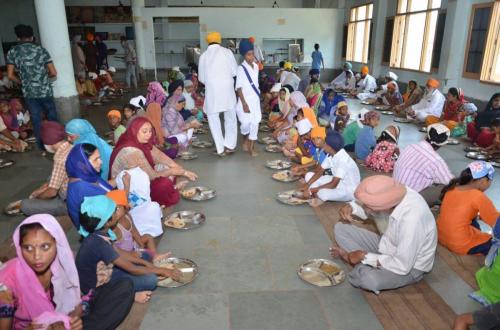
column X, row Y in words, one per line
column 317, row 59
column 102, row 53
column 34, row 67
column 130, row 61
column 217, row 68
column 247, row 87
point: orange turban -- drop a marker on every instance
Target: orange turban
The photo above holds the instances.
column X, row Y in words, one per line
column 318, row 132
column 90, row 37
column 214, row 37
column 251, row 39
column 434, row 83
column 364, row 69
column 114, row 113
column 118, row 196
column 380, row 192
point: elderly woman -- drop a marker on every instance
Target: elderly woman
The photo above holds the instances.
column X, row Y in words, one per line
column 42, row 284
column 136, row 149
column 391, row 97
column 406, row 249
column 411, row 97
column 173, row 124
column 81, row 131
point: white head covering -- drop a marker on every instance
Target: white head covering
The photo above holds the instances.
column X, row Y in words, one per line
column 93, row 75
column 303, row 126
column 102, row 72
column 276, row 88
column 391, row 75
column 112, row 69
column 470, row 107
column 138, row 101
column 188, row 83
column 176, row 68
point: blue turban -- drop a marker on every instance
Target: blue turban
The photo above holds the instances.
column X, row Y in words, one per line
column 313, row 72
column 347, row 66
column 245, row 46
column 335, row 140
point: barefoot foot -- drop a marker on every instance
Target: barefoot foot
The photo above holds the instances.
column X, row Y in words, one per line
column 337, row 252
column 142, row 297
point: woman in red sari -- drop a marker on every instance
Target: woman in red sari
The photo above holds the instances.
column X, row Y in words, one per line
column 136, row 148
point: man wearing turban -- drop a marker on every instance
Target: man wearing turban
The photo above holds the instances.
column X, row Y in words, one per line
column 431, row 104
column 247, row 88
column 421, row 168
column 336, row 177
column 366, row 85
column 403, row 253
column 50, row 197
column 216, row 70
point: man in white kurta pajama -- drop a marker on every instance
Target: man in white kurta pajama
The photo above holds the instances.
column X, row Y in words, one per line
column 248, row 106
column 431, row 104
column 216, row 70
column 366, row 86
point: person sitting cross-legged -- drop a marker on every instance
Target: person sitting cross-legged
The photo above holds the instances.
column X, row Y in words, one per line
column 406, row 249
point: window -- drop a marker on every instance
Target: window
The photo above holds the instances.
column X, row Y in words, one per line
column 490, row 70
column 478, row 33
column 344, row 41
column 414, row 34
column 389, row 28
column 358, row 34
column 438, row 41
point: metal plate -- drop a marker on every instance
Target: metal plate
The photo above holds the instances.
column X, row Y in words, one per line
column 321, row 272
column 273, row 148
column 188, row 268
column 187, row 155
column 263, row 128
column 387, row 112
column 14, row 208
column 473, row 148
column 267, row 140
column 198, row 193
column 202, row 144
column 279, row 164
column 185, row 220
column 477, row 155
column 291, row 197
column 382, row 107
column 284, row 176
column 423, row 129
column 452, row 142
column 6, row 163
column 366, row 103
column 402, row 120
column 200, row 131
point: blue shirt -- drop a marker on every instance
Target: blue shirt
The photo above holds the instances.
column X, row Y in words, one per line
column 365, row 142
column 93, row 249
column 317, row 59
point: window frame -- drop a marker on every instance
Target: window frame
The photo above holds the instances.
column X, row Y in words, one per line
column 426, row 36
column 393, row 18
column 366, row 45
column 467, row 74
column 493, row 53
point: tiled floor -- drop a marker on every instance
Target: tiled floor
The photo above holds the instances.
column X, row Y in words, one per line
column 249, row 249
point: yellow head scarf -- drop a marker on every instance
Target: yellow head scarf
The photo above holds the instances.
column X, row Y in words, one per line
column 214, row 37
column 288, row 66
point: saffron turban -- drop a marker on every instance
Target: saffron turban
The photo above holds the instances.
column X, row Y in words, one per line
column 380, row 192
column 214, row 37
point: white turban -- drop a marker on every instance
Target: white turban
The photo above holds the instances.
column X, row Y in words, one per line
column 303, row 126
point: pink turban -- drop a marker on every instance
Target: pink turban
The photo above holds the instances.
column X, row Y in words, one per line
column 380, row 192
column 52, row 132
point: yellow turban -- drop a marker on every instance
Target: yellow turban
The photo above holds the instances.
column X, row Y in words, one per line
column 214, row 37
column 114, row 113
column 318, row 132
column 364, row 70
column 433, row 83
column 288, row 66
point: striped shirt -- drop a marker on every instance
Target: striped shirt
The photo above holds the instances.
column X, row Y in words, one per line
column 419, row 166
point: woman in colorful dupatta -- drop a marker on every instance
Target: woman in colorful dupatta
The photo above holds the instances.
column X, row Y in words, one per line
column 81, row 131
column 156, row 94
column 453, row 112
column 136, row 148
column 170, row 145
column 43, row 286
column 173, row 124
column 314, row 94
column 328, row 104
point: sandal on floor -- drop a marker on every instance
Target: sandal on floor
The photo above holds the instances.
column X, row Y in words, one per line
column 6, row 163
column 13, row 208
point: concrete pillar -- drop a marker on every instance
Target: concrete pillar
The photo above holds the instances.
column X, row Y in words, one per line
column 139, row 26
column 53, row 29
column 379, row 15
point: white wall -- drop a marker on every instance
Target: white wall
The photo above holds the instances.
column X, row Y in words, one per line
column 14, row 12
column 313, row 25
column 452, row 50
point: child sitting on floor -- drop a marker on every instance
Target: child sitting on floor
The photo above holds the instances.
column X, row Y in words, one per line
column 494, row 149
column 99, row 215
column 114, row 119
column 352, row 130
column 340, row 118
column 365, row 142
column 386, row 152
column 302, row 153
column 318, row 135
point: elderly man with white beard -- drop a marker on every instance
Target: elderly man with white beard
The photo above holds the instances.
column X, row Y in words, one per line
column 406, row 249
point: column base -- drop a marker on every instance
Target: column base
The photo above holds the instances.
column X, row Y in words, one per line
column 67, row 108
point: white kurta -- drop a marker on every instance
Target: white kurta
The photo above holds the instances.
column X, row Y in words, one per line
column 216, row 70
column 249, row 121
column 367, row 87
column 431, row 104
column 410, row 239
column 340, row 81
column 290, row 78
